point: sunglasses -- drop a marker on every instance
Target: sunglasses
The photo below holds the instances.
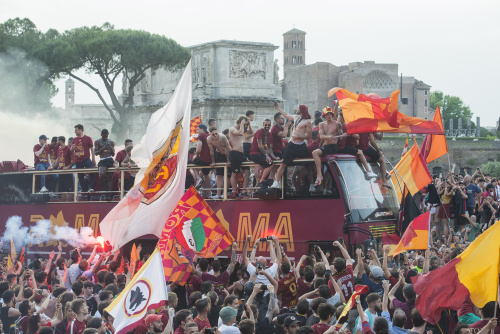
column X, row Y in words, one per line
column 214, row 134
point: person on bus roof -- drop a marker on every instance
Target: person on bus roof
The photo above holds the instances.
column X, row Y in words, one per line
column 367, row 144
column 297, row 147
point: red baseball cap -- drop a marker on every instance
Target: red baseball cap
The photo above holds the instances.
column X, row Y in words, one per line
column 152, row 318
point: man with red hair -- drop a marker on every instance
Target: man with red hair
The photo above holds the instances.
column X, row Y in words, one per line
column 297, row 147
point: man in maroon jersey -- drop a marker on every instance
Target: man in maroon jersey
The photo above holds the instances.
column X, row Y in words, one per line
column 287, row 287
column 81, row 309
column 42, row 159
column 82, row 146
column 202, row 156
column 64, row 162
column 344, row 273
column 279, row 132
column 120, row 156
column 261, row 151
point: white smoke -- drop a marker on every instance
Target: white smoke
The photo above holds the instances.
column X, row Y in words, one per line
column 41, row 232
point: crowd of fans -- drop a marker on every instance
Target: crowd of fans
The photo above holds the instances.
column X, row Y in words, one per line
column 255, row 295
column 80, row 152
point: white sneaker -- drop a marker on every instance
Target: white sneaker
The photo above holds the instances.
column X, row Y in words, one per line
column 312, row 188
column 215, row 197
column 371, row 174
column 44, row 190
column 276, row 185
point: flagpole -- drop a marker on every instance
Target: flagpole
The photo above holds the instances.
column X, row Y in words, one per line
column 449, row 164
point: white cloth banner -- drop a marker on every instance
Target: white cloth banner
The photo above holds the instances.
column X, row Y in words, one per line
column 147, row 290
column 162, row 155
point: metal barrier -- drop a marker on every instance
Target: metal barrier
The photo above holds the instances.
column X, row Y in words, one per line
column 122, row 192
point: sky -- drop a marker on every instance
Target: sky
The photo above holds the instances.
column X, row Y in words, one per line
column 454, row 46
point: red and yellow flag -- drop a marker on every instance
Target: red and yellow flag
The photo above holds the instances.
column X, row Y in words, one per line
column 192, row 228
column 193, row 128
column 412, row 170
column 405, row 149
column 134, row 260
column 391, row 240
column 363, row 113
column 416, row 235
column 358, row 291
column 473, row 273
column 434, row 146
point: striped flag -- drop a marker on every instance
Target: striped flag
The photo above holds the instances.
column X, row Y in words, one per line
column 193, row 129
column 405, row 149
column 192, row 228
column 372, row 113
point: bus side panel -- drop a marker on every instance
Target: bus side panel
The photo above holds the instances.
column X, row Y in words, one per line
column 295, row 222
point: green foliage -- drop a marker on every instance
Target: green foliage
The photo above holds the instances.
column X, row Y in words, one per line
column 452, row 107
column 30, row 61
column 492, row 167
column 110, row 53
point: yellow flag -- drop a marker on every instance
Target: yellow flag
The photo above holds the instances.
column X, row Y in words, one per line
column 9, row 262
column 134, row 259
column 12, row 248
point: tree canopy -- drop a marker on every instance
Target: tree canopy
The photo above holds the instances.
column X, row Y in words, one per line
column 30, row 62
column 110, row 52
column 452, row 107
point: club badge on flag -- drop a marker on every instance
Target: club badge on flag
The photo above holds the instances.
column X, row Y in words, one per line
column 192, row 228
column 146, row 291
column 162, row 155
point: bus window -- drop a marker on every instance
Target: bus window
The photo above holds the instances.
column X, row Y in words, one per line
column 300, row 177
column 368, row 200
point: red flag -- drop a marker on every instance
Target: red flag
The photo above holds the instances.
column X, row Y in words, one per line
column 391, row 240
column 416, row 235
column 363, row 113
column 434, row 146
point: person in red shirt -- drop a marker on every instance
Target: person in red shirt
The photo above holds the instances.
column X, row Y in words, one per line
column 42, row 160
column 278, row 131
column 202, row 156
column 374, row 153
column 303, row 286
column 203, row 307
column 219, row 281
column 287, row 287
column 344, row 273
column 81, row 309
column 181, row 319
column 81, row 147
column 64, row 162
column 53, row 149
column 261, row 151
column 326, row 313
column 120, row 156
column 487, row 314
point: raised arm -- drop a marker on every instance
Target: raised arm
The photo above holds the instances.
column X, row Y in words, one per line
column 287, row 116
column 92, row 255
column 58, row 317
column 231, row 266
column 272, row 301
column 324, row 259
column 254, row 250
column 361, row 267
column 345, row 254
column 244, row 253
column 296, row 271
column 385, row 267
column 49, row 263
column 277, row 250
column 425, row 270
column 386, row 285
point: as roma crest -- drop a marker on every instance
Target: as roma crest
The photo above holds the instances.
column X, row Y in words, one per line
column 137, row 299
column 163, row 168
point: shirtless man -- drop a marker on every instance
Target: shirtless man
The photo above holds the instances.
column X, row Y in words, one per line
column 329, row 132
column 105, row 149
column 247, row 145
column 236, row 156
column 219, row 152
column 297, row 147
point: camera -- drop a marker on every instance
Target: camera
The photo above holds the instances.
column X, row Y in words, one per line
column 209, row 330
column 259, row 266
column 263, row 287
column 328, row 272
column 275, row 103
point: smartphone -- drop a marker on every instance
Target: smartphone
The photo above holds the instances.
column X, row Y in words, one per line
column 262, row 239
column 328, row 272
column 263, row 287
column 259, row 266
column 209, row 330
column 316, row 248
column 341, row 240
column 269, row 237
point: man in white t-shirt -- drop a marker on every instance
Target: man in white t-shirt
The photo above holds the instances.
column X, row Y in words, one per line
column 228, row 317
column 261, row 262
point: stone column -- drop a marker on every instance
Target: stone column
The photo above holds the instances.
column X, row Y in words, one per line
column 459, row 127
column 468, row 127
column 478, row 127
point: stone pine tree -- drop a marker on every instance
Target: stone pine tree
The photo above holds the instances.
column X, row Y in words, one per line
column 30, row 62
column 110, row 53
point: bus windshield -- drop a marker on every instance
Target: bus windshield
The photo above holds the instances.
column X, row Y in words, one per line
column 368, row 200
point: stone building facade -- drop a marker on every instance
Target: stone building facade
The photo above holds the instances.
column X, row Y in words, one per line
column 309, row 84
column 229, row 78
